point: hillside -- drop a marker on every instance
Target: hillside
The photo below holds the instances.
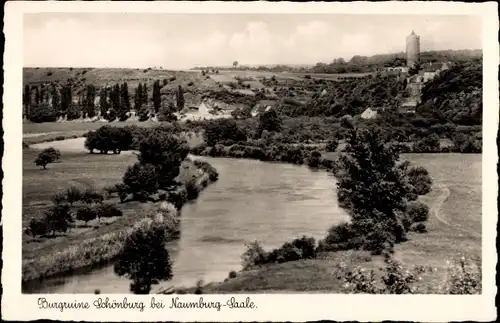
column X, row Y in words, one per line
column 455, row 95
column 100, row 77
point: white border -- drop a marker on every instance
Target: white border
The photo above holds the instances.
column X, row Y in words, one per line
column 283, row 307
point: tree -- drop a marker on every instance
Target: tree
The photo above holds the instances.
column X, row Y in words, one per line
column 142, row 180
column 86, row 214
column 66, row 98
column 47, row 156
column 166, row 152
column 222, row 129
column 138, row 98
column 269, row 121
column 180, row 99
column 89, row 101
column 235, row 63
column 156, row 96
column 414, row 69
column 373, row 188
column 103, row 102
column 108, row 138
column 42, row 112
column 58, row 218
column 144, row 258
column 332, row 145
column 37, row 227
column 26, row 100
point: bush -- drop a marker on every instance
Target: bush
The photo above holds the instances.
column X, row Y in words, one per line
column 418, row 212
column 109, row 138
column 47, row 156
column 339, row 237
column 178, row 198
column 207, row 168
column 73, row 194
column 91, row 196
column 222, row 129
column 418, row 227
column 253, row 256
column 58, row 218
column 332, row 145
column 420, row 179
column 232, row 274
column 42, row 113
column 463, row 278
column 315, row 159
column 86, row 214
column 142, row 180
column 108, row 211
column 192, row 189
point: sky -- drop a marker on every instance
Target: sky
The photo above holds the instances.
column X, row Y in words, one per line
column 180, row 41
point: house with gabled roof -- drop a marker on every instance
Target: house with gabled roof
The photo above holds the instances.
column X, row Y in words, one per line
column 263, row 106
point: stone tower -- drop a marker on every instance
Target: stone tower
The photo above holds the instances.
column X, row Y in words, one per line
column 412, row 49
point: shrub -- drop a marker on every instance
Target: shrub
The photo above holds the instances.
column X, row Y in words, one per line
column 59, row 198
column 192, row 189
column 209, row 169
column 142, row 180
column 463, row 278
column 233, row 274
column 91, row 196
column 73, row 194
column 253, row 256
column 178, row 198
column 418, row 212
column 315, row 159
column 108, row 211
column 418, row 227
column 42, row 113
column 86, row 214
column 339, row 237
column 332, row 145
column 420, row 179
column 58, row 218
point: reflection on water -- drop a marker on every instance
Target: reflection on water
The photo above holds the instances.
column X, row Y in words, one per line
column 252, row 200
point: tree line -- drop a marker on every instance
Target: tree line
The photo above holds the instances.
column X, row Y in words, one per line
column 49, row 102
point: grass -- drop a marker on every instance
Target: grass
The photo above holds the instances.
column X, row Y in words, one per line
column 83, row 245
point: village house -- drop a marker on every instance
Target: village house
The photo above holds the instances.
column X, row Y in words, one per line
column 263, row 106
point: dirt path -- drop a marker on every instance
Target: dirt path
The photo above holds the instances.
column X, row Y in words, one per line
column 436, row 207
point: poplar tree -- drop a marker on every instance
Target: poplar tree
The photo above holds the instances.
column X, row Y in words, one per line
column 156, row 96
column 180, row 99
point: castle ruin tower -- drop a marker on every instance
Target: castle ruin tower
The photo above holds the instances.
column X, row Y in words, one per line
column 412, row 49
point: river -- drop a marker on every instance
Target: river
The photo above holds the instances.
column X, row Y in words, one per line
column 252, row 200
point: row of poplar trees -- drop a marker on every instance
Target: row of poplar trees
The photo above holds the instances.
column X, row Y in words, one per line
column 45, row 103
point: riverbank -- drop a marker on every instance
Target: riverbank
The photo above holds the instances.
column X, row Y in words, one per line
column 99, row 241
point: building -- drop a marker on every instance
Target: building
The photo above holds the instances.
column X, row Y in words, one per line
column 412, row 49
column 409, row 106
column 263, row 106
column 369, row 113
